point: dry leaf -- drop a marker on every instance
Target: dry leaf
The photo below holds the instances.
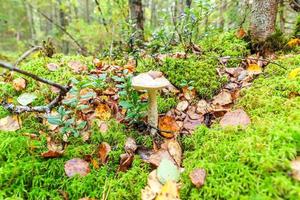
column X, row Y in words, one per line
column 202, row 107
column 254, row 68
column 103, row 112
column 148, row 194
column 235, row 118
column 77, row 66
column 167, row 123
column 158, row 156
column 175, row 151
column 52, row 66
column 77, row 166
column 144, row 153
column 125, row 162
column 191, row 124
column 198, row 177
column 182, row 106
column 51, row 154
column 223, row 98
column 153, row 182
column 295, row 165
column 294, row 73
column 9, row 123
column 19, row 84
column 130, row 145
column 103, row 152
column 95, row 163
column 294, row 42
column 188, row 94
column 241, row 33
column 97, row 63
column 168, row 192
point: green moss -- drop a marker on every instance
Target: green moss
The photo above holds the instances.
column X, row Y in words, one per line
column 166, row 103
column 251, row 163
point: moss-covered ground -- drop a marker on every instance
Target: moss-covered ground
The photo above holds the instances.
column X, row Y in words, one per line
column 241, row 164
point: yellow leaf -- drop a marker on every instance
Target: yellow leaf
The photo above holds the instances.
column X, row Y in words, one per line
column 294, row 42
column 254, row 68
column 103, row 112
column 294, row 73
column 168, row 192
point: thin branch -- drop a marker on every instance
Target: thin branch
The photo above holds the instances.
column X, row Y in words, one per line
column 83, row 50
column 26, row 54
column 10, row 67
column 102, row 16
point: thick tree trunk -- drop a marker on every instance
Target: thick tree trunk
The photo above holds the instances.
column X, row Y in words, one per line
column 263, row 20
column 137, row 17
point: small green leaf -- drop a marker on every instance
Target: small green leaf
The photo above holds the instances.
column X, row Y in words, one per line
column 55, row 120
column 26, row 99
column 125, row 104
column 167, row 171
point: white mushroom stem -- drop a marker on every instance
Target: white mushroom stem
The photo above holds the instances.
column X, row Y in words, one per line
column 152, row 110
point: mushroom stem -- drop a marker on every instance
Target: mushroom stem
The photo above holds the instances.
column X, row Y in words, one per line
column 152, row 110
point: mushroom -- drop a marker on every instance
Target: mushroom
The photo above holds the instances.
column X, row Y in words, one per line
column 151, row 81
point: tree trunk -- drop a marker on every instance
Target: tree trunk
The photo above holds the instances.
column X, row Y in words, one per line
column 137, row 17
column 281, row 16
column 223, row 7
column 153, row 14
column 64, row 23
column 263, row 20
column 87, row 11
column 188, row 3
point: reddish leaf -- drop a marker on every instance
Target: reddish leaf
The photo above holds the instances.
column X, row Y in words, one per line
column 197, row 177
column 77, row 166
column 235, row 118
column 103, row 152
column 125, row 162
column 51, row 154
column 168, row 124
column 19, row 84
column 130, row 145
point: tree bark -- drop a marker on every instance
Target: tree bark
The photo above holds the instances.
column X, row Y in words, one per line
column 263, row 20
column 137, row 17
column 153, row 19
column 64, row 23
column 223, row 7
column 87, row 11
column 281, row 16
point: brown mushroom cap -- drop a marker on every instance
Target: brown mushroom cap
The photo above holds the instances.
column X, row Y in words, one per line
column 150, row 80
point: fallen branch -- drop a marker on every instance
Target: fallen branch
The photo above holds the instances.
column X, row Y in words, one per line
column 47, row 108
column 27, row 53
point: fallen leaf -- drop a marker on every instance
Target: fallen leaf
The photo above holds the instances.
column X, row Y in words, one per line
column 51, row 154
column 198, row 177
column 86, row 95
column 52, row 66
column 169, row 192
column 223, row 98
column 103, row 112
column 182, row 106
column 126, row 160
column 130, row 145
column 95, row 163
column 294, row 42
column 153, row 182
column 175, row 151
column 235, row 118
column 77, row 166
column 77, row 66
column 188, row 93
column 26, row 99
column 168, row 124
column 167, row 171
column 254, row 68
column 144, row 153
column 294, row 73
column 191, row 124
column 156, row 158
column 202, row 107
column 19, row 84
column 103, row 152
column 148, row 194
column 295, row 165
column 97, row 63
column 9, row 123
column 241, row 33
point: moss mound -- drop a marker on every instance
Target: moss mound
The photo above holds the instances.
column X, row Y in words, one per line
column 251, row 163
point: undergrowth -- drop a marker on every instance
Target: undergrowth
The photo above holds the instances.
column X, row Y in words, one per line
column 251, row 163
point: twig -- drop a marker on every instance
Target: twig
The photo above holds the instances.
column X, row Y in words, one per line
column 35, row 77
column 27, row 53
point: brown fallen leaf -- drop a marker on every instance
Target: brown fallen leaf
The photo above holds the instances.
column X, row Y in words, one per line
column 144, row 153
column 191, row 124
column 51, row 154
column 126, row 160
column 103, row 152
column 182, row 106
column 95, row 163
column 223, row 98
column 97, row 63
column 77, row 166
column 198, row 177
column 202, row 107
column 77, row 66
column 148, row 194
column 52, row 66
column 241, row 33
column 235, row 118
column 168, row 124
column 168, row 192
column 19, row 84
column 9, row 123
column 157, row 157
column 188, row 93
column 175, row 151
column 130, row 145
column 295, row 165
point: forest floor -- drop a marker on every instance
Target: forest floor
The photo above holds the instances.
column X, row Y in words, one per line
column 252, row 161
